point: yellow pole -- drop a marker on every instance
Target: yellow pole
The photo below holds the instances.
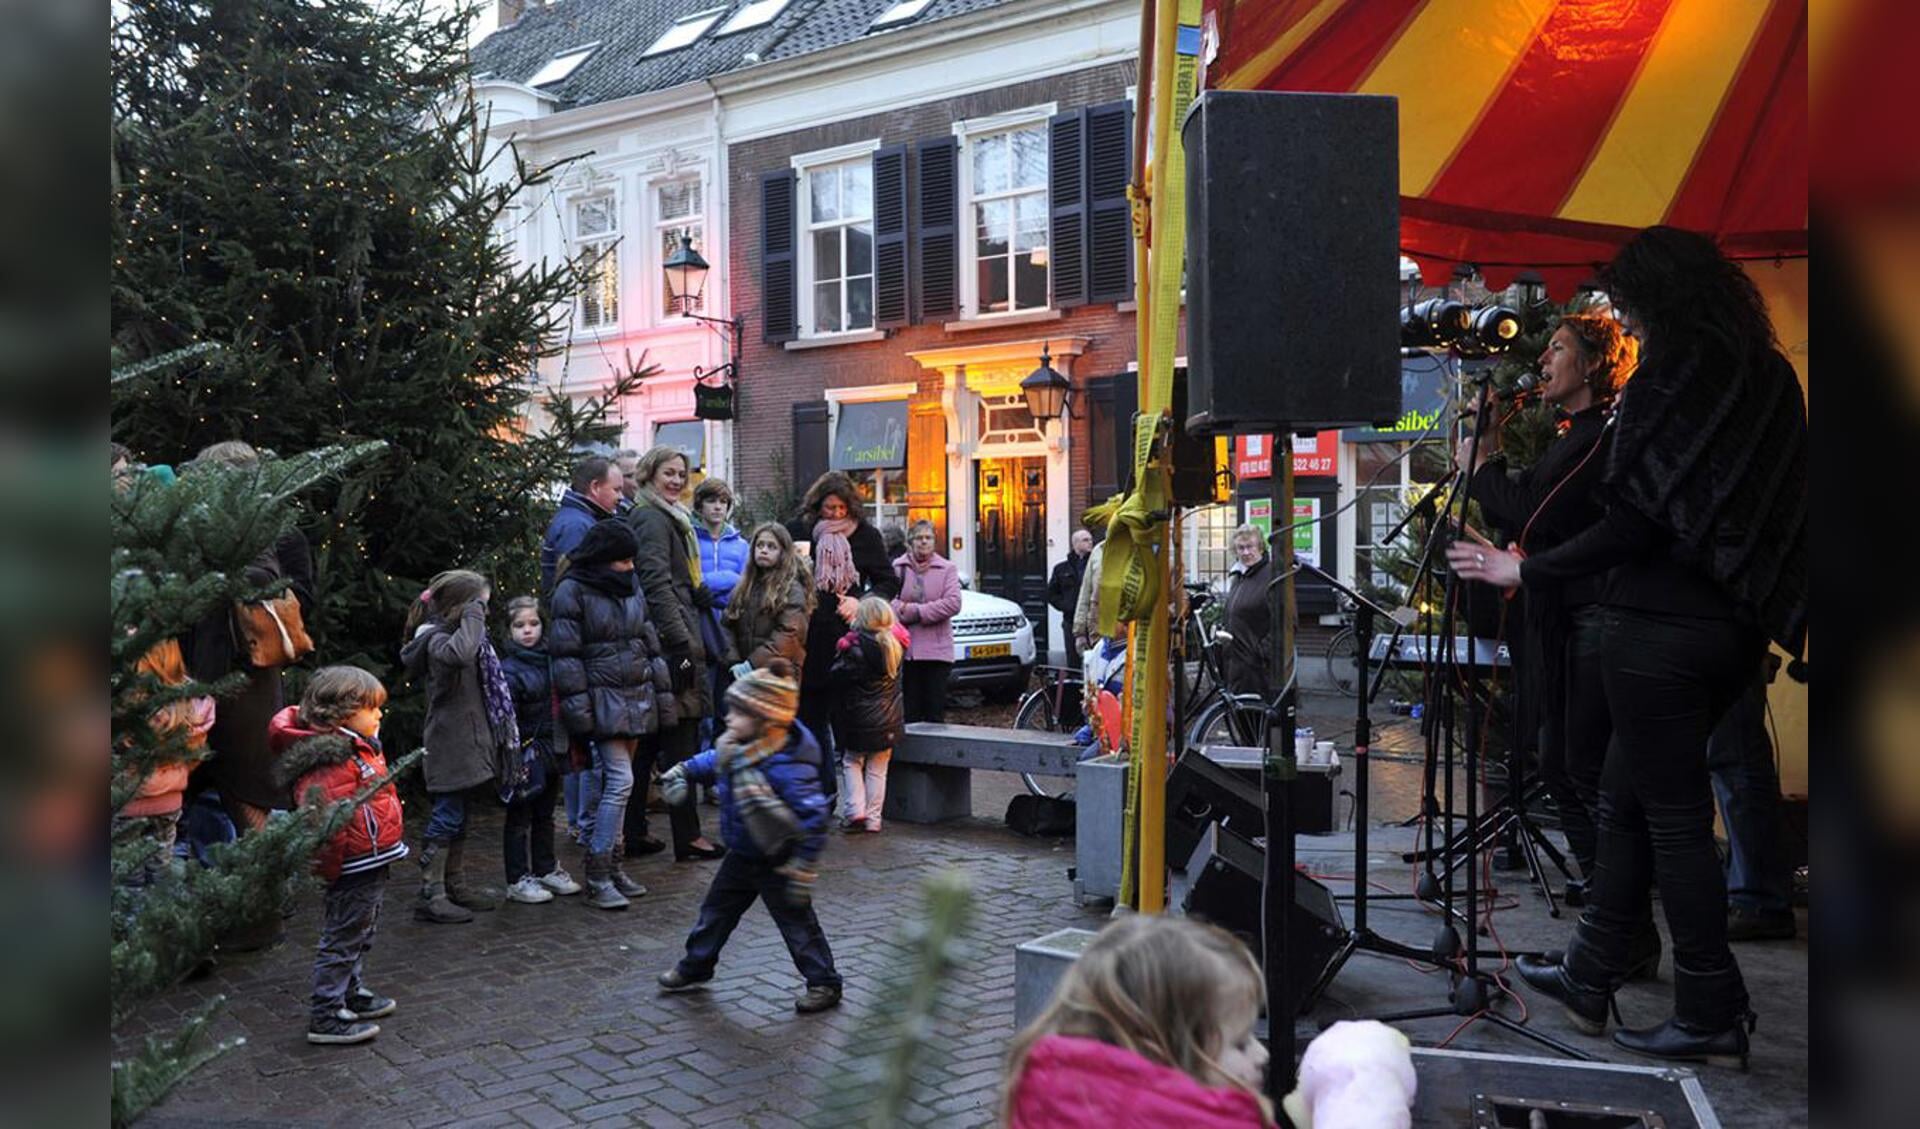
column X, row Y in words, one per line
column 1138, row 574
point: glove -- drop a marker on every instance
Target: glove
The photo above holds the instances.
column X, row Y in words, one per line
column 742, row 669
column 800, row 882
column 673, row 785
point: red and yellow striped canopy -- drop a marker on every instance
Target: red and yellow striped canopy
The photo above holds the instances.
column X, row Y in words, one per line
column 1540, row 134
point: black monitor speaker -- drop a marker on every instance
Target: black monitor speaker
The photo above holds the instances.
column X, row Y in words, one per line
column 1201, row 791
column 1293, row 261
column 1223, row 886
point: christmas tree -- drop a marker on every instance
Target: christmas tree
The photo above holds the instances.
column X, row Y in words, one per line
column 179, row 552
column 310, row 186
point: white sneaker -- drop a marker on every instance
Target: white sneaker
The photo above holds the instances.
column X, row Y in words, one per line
column 560, row 882
column 529, row 890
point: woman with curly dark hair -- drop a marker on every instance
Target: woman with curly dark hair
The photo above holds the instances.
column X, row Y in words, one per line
column 1702, row 557
column 849, row 561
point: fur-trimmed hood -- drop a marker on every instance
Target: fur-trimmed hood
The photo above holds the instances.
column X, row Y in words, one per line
column 299, row 750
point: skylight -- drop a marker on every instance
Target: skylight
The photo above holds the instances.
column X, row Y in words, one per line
column 756, row 14
column 562, row 65
column 901, row 12
column 685, row 30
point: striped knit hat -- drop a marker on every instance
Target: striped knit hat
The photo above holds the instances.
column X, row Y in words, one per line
column 769, row 694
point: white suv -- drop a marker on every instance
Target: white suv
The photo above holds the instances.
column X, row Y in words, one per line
column 992, row 644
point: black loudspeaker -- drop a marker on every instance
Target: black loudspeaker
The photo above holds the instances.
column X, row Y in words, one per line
column 1293, row 261
column 1222, row 782
column 1224, row 887
column 1201, row 791
column 1193, row 462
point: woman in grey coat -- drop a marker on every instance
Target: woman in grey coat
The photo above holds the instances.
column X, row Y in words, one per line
column 669, row 572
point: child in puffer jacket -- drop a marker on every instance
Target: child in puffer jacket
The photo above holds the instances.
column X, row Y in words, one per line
column 766, row 768
column 533, row 874
column 328, row 749
column 869, row 715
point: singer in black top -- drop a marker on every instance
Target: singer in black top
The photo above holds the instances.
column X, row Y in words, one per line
column 1702, row 553
column 1584, row 363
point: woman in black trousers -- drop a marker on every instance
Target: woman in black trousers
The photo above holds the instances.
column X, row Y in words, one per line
column 1585, row 362
column 849, row 561
column 1703, row 555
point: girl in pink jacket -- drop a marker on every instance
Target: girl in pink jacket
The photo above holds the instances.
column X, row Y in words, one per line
column 1152, row 1026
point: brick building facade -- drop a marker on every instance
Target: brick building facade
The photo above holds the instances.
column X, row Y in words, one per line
column 971, row 453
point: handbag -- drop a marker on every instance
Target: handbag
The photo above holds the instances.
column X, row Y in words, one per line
column 273, row 630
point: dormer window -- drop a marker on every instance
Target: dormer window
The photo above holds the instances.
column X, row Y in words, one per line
column 757, row 14
column 684, row 31
column 558, row 68
column 900, row 13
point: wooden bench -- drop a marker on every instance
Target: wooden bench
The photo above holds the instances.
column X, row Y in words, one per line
column 931, row 776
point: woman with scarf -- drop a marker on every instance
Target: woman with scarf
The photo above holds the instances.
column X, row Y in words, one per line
column 929, row 599
column 1702, row 552
column 849, row 561
column 668, row 566
column 613, row 688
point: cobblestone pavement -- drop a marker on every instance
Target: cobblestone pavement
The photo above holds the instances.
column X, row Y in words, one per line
column 548, row 1015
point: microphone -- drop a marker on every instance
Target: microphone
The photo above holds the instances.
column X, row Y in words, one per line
column 1527, row 383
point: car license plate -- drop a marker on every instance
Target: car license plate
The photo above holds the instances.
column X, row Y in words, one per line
column 989, row 650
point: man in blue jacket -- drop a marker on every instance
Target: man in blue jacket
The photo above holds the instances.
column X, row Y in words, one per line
column 593, row 497
column 773, row 818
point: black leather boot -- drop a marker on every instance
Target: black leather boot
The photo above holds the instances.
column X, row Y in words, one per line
column 1676, row 1042
column 1586, row 1007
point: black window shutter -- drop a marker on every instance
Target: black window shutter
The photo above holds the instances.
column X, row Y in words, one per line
column 1105, row 446
column 1067, row 202
column 809, row 441
column 936, row 257
column 890, row 237
column 778, row 307
column 1109, row 130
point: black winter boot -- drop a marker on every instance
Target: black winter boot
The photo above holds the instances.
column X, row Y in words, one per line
column 1586, row 1007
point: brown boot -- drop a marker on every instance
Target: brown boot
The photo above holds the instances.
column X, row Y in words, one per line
column 434, row 904
column 481, row 898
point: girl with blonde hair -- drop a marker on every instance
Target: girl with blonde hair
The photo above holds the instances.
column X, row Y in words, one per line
column 1152, row 1025
column 869, row 717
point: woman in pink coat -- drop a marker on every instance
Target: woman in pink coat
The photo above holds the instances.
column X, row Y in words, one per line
column 929, row 599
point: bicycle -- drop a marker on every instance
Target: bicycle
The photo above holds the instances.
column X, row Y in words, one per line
column 1056, row 705
column 1228, row 718
column 1343, row 651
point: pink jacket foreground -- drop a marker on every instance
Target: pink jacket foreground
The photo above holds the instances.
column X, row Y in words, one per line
column 928, row 601
column 1073, row 1083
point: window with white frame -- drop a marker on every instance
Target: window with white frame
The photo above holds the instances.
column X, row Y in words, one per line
column 1006, row 204
column 684, row 31
column 1006, row 419
column 836, row 291
column 677, row 214
column 1209, row 543
column 596, row 243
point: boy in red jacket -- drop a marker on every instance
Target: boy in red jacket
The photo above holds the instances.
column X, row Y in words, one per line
column 328, row 748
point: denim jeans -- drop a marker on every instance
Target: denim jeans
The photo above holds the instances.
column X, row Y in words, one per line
column 1669, row 680
column 1745, row 781
column 350, row 915
column 449, row 818
column 613, row 778
column 735, row 886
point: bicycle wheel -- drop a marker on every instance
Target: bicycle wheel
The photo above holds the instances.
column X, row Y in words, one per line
column 1342, row 650
column 1037, row 713
column 1226, row 722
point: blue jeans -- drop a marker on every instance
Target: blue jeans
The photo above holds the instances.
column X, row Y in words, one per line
column 735, row 886
column 1740, row 759
column 449, row 819
column 613, row 786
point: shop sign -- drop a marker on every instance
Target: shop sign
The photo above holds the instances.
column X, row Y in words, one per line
column 1425, row 384
column 871, row 435
column 1314, row 456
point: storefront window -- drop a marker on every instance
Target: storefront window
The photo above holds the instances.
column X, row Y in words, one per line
column 884, row 494
column 1384, row 504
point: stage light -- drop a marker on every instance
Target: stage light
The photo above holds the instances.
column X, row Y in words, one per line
column 1495, row 329
column 1434, row 323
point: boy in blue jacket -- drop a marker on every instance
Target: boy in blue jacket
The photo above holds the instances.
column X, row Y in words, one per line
column 773, row 818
